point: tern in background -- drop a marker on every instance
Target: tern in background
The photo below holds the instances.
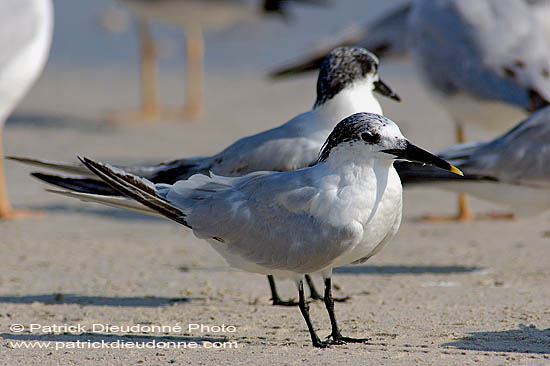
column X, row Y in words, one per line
column 487, row 61
column 512, row 170
column 342, row 210
column 26, row 28
column 193, row 16
column 346, row 82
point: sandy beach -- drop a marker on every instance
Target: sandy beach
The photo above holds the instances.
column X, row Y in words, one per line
column 439, row 294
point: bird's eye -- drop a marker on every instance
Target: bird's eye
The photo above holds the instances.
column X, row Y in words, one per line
column 371, row 138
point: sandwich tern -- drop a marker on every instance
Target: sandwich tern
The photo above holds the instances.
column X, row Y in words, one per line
column 342, row 210
column 345, row 86
column 487, row 61
column 26, row 28
column 511, row 169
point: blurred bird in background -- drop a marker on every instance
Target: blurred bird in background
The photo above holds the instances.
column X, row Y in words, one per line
column 512, row 170
column 26, row 28
column 486, row 61
column 193, row 16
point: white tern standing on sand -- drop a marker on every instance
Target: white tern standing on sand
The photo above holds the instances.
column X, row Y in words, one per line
column 342, row 210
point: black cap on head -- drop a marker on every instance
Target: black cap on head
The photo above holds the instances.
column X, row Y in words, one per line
column 359, row 126
column 342, row 67
column 383, row 134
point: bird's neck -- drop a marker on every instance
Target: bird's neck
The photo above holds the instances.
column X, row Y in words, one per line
column 356, row 167
column 356, row 98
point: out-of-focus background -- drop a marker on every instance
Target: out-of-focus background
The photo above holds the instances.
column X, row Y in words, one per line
column 439, row 294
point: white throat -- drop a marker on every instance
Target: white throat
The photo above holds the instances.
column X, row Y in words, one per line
column 356, row 98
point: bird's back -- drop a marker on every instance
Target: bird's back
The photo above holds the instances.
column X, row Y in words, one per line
column 489, row 49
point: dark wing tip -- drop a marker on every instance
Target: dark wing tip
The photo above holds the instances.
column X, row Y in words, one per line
column 536, row 101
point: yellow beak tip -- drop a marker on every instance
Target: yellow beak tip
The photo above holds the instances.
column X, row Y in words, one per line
column 455, row 170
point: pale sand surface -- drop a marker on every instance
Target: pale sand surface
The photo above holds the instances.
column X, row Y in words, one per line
column 439, row 294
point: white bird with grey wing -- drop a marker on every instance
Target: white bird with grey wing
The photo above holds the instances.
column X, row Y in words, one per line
column 345, row 86
column 26, row 28
column 511, row 170
column 342, row 210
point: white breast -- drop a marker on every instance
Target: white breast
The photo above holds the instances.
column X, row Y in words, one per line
column 354, row 99
column 383, row 220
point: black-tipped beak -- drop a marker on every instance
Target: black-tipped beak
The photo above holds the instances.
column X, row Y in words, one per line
column 382, row 88
column 413, row 153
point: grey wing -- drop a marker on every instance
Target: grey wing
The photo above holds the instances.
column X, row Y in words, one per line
column 385, row 37
column 291, row 146
column 521, row 155
column 264, row 218
column 489, row 49
column 18, row 26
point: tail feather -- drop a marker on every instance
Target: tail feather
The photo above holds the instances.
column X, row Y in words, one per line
column 113, row 201
column 82, row 185
column 136, row 188
column 71, row 168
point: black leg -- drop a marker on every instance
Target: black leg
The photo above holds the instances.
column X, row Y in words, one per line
column 304, row 308
column 312, row 290
column 275, row 296
column 336, row 336
column 315, row 295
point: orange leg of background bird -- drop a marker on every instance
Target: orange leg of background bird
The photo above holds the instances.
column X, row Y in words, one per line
column 194, row 72
column 150, row 109
column 6, row 211
column 464, row 213
column 5, row 207
column 148, row 53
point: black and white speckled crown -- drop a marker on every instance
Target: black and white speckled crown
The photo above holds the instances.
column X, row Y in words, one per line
column 358, row 126
column 341, row 68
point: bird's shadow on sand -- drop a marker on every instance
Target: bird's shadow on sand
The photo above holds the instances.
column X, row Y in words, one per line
column 55, row 121
column 522, row 340
column 72, row 299
column 135, row 339
column 404, row 269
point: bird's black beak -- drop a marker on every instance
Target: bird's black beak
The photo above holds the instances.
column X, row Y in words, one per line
column 413, row 153
column 382, row 88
